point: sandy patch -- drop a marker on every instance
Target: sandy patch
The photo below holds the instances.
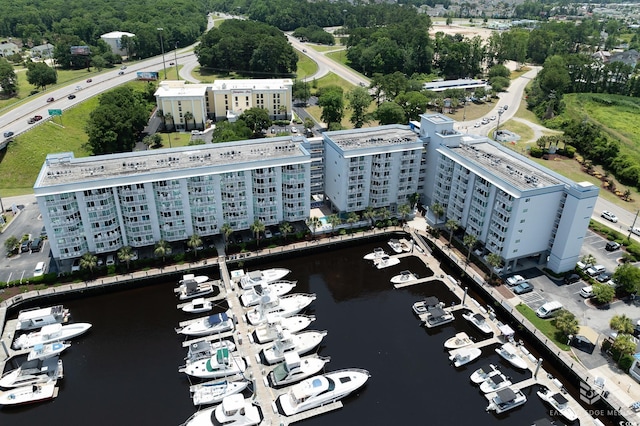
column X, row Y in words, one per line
column 469, row 32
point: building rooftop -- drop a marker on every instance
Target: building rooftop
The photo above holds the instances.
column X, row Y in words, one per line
column 253, row 84
column 64, row 168
column 117, row 34
column 365, row 138
column 179, row 89
column 511, row 169
column 462, row 83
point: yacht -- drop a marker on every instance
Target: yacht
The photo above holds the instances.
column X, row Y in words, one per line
column 505, row 400
column 377, row 253
column 495, row 382
column 460, row 340
column 284, row 306
column 265, row 277
column 234, row 410
column 192, row 286
column 404, row 277
column 31, row 319
column 48, row 350
column 269, row 330
column 217, row 323
column 33, row 372
column 206, row 349
column 478, row 320
column 221, row 364
column 510, row 353
column 253, row 295
column 287, row 342
column 294, row 368
column 460, row 357
column 29, row 394
column 482, row 373
column 559, row 403
column 436, row 316
column 51, row 333
column 214, row 392
column 386, row 261
column 395, row 245
column 322, row 389
column 197, row 306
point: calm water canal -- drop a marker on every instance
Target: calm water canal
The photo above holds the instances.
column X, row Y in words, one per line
column 124, row 371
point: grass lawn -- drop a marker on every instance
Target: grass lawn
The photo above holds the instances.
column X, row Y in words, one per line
column 545, row 326
column 306, row 66
column 339, row 56
column 324, row 47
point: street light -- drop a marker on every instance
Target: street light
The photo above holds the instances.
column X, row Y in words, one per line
column 162, row 46
column 495, row 136
column 175, row 60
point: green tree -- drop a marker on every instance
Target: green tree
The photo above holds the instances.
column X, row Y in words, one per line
column 11, row 244
column 332, row 103
column 301, row 91
column 227, row 230
column 359, row 101
column 313, row 223
column 370, row 215
column 404, row 210
column 8, row 79
column 621, row 324
column 227, row 132
column 452, row 225
column 469, row 241
column 41, row 75
column 257, row 227
column 125, row 254
column 162, row 249
column 566, row 323
column 88, row 261
column 187, row 117
column 334, row 220
column 352, row 218
column 588, row 259
column 194, row 243
column 390, row 113
column 627, row 278
column 413, row 199
column 286, row 229
column 623, row 345
column 603, row 293
column 438, row 211
column 494, row 260
column 256, row 119
column 98, row 62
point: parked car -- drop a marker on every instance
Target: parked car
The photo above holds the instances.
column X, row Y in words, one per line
column 571, row 278
column 111, row 260
column 50, row 99
column 604, row 277
column 75, row 266
column 477, row 124
column 25, row 246
column 595, row 270
column 522, row 288
column 39, row 269
column 8, row 134
column 36, row 245
column 612, row 246
column 515, row 280
column 586, row 292
column 609, row 216
column 134, row 255
column 267, row 233
column 548, row 309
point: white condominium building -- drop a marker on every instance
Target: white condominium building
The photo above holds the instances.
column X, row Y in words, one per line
column 515, row 207
column 101, row 204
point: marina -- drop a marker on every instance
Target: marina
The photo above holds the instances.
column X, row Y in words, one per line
column 343, row 307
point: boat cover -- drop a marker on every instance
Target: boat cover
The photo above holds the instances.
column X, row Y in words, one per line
column 506, row 395
column 479, row 317
column 437, row 312
column 430, row 301
column 217, row 318
column 561, row 400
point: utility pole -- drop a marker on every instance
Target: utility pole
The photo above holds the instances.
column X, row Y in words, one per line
column 633, row 225
column 164, row 66
column 175, row 56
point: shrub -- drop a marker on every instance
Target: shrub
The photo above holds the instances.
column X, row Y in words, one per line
column 536, row 152
column 625, row 362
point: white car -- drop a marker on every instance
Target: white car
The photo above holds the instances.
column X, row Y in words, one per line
column 635, row 230
column 267, row 233
column 294, row 130
column 476, row 125
column 586, row 292
column 609, row 216
column 515, row 280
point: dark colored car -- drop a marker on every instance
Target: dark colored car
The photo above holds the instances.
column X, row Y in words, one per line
column 31, row 120
column 571, row 278
column 89, row 80
column 25, row 246
column 523, row 288
column 50, row 99
column 604, row 277
column 71, row 97
column 612, row 246
column 37, row 117
column 8, row 134
column 121, row 73
column 36, row 245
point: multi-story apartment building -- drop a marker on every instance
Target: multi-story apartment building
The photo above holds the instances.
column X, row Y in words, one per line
column 515, row 208
column 100, row 204
column 223, row 99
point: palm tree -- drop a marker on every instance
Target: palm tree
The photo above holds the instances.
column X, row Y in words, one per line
column 452, row 226
column 257, row 227
column 370, row 215
column 352, row 218
column 162, row 249
column 160, row 113
column 194, row 243
column 437, row 210
column 88, row 261
column 404, row 211
column 313, row 223
column 125, row 254
column 494, row 260
column 621, row 324
column 227, row 230
column 469, row 241
column 384, row 214
column 187, row 116
column 334, row 220
column 286, row 229
column 169, row 116
column 413, row 199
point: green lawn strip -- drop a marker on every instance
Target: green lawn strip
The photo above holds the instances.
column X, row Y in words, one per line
column 306, row 66
column 545, row 326
column 324, row 47
column 340, row 56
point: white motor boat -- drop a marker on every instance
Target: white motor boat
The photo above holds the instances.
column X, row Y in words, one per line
column 51, row 333
column 48, row 350
column 217, row 323
column 215, row 391
column 293, row 368
column 33, row 372
column 406, row 245
column 287, row 342
column 253, row 296
column 204, row 349
column 221, row 364
column 395, row 245
column 197, row 306
column 31, row 319
column 479, row 321
column 481, row 374
column 495, row 382
column 386, row 261
column 29, row 394
column 559, row 403
column 265, row 277
column 422, row 306
column 505, row 400
column 234, row 410
column 192, row 286
column 460, row 340
column 284, row 306
column 510, row 353
column 322, row 389
column 460, row 357
column 274, row 325
column 377, row 253
column 436, row 316
column 404, row 277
